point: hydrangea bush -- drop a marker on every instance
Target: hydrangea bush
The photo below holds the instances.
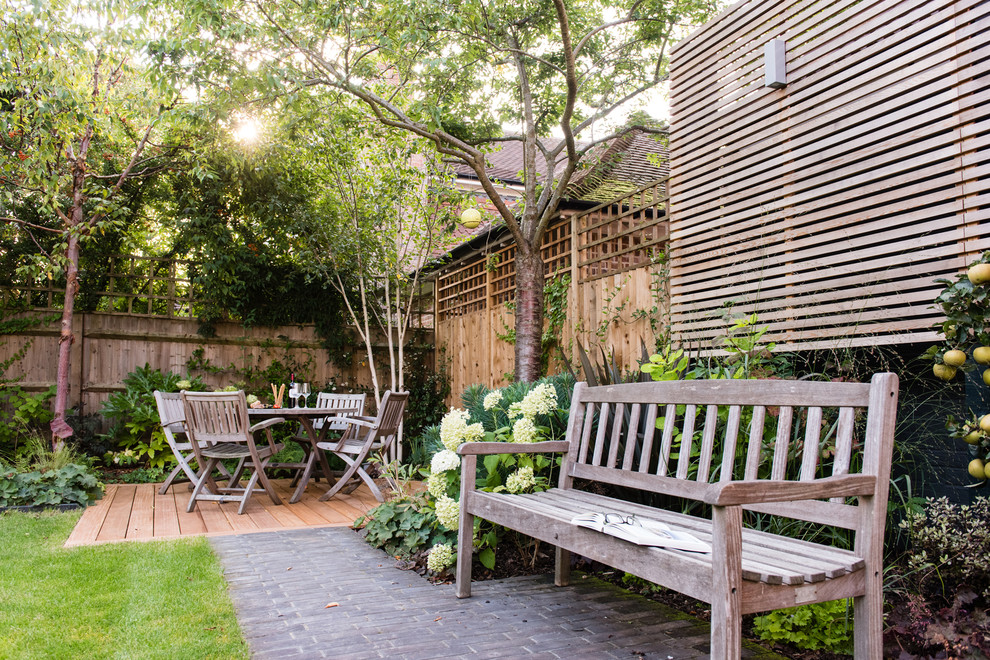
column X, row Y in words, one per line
column 517, row 413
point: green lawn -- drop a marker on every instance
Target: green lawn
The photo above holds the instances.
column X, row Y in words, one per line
column 163, row 599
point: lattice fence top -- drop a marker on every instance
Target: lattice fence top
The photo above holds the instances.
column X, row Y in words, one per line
column 827, row 207
column 134, row 285
column 614, row 237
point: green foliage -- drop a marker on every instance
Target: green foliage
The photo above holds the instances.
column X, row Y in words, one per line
column 403, row 527
column 428, row 392
column 967, row 311
column 136, row 426
column 23, row 415
column 816, row 626
column 555, row 300
column 950, row 548
column 71, row 484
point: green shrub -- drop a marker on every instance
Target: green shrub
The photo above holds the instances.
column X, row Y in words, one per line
column 403, row 527
column 72, row 484
column 817, row 626
column 950, row 548
column 136, row 427
column 22, row 416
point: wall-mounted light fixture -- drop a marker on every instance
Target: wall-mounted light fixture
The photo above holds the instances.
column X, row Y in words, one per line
column 775, row 64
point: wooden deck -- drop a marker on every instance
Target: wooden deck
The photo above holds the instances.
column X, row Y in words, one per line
column 136, row 512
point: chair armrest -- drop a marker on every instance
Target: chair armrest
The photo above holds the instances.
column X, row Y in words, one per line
column 357, row 421
column 486, row 448
column 271, row 421
column 759, row 491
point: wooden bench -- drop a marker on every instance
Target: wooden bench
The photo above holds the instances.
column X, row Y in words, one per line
column 776, row 470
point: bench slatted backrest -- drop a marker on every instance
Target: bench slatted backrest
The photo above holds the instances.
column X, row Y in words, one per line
column 692, row 434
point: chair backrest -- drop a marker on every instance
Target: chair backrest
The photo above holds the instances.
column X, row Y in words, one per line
column 343, row 405
column 171, row 412
column 390, row 414
column 213, row 417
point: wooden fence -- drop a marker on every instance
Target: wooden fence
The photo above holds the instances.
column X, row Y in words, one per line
column 145, row 315
column 612, row 267
column 829, row 205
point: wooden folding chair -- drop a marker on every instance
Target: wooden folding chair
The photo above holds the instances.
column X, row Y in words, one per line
column 218, row 427
column 353, row 448
column 173, row 416
column 342, row 405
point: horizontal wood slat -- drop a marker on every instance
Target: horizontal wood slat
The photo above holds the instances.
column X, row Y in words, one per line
column 828, row 207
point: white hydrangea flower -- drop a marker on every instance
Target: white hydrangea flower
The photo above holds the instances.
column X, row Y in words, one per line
column 492, row 399
column 436, row 484
column 541, row 400
column 524, row 430
column 445, row 460
column 452, row 428
column 448, row 512
column 521, row 480
column 514, row 410
column 183, row 384
column 441, row 556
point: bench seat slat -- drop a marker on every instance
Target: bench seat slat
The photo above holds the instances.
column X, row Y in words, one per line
column 829, row 554
column 768, row 557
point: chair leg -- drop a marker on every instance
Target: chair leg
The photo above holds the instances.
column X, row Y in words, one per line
column 183, row 465
column 267, row 484
column 235, row 476
column 247, row 492
column 169, row 479
column 210, row 464
column 352, row 467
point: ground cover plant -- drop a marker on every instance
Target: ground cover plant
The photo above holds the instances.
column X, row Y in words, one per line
column 125, row 600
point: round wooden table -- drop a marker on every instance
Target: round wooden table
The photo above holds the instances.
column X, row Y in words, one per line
column 305, row 417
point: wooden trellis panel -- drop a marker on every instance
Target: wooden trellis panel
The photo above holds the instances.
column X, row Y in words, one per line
column 828, row 206
column 621, row 235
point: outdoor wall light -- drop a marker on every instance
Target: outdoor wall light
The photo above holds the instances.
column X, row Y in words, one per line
column 470, row 218
column 775, row 64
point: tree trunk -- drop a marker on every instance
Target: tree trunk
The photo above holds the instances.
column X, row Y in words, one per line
column 529, row 312
column 60, row 428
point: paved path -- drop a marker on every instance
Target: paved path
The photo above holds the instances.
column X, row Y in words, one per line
column 282, row 582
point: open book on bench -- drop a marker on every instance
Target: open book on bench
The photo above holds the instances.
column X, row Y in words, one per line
column 640, row 531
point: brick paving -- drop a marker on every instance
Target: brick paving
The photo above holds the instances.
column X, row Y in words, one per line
column 282, row 582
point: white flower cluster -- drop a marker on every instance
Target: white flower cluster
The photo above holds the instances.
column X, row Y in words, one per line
column 445, row 460
column 524, row 430
column 540, row 401
column 521, row 480
column 448, row 512
column 492, row 399
column 184, row 384
column 441, row 556
column 436, row 484
column 455, row 430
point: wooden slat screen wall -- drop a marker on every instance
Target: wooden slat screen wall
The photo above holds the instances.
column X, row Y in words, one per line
column 619, row 235
column 828, row 206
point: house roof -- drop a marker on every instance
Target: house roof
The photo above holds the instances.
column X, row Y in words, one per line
column 607, row 172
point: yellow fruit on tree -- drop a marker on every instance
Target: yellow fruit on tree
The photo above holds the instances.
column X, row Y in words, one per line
column 986, row 376
column 955, row 357
column 986, row 471
column 944, row 371
column 985, row 423
column 982, row 354
column 973, row 437
column 977, row 469
column 979, row 273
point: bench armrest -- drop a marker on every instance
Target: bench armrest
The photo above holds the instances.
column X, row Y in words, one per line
column 486, row 448
column 759, row 491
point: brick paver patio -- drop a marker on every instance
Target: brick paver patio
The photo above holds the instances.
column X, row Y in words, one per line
column 283, row 582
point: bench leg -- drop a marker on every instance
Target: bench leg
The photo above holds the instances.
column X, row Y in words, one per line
column 727, row 580
column 465, row 550
column 868, row 618
column 562, row 567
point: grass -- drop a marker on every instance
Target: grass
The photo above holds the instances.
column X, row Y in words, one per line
column 163, row 599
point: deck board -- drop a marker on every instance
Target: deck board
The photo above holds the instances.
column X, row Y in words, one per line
column 133, row 512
